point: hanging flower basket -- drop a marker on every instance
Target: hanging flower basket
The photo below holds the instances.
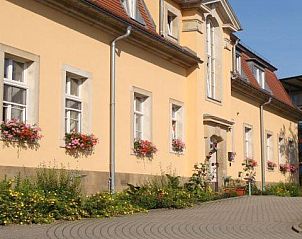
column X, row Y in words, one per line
column 144, row 149
column 178, row 146
column 80, row 142
column 15, row 131
column 271, row 165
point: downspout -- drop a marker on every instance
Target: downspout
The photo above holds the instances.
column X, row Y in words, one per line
column 161, row 17
column 112, row 110
column 262, row 144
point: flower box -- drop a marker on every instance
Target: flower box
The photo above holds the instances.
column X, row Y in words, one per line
column 144, row 149
column 291, row 168
column 178, row 146
column 80, row 142
column 20, row 132
column 271, row 165
column 240, row 191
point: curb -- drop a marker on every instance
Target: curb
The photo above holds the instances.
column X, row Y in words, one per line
column 297, row 228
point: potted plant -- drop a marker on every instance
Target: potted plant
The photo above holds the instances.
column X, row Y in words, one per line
column 178, row 145
column 271, row 165
column 249, row 174
column 284, row 168
column 144, row 149
column 80, row 143
column 15, row 131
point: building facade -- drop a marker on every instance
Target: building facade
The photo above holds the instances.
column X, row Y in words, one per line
column 180, row 74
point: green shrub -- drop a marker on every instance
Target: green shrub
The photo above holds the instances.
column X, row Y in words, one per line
column 284, row 190
column 107, row 205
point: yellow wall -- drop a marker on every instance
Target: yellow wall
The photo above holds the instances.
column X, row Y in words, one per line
column 59, row 39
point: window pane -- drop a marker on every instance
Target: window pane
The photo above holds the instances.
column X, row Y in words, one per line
column 18, row 71
column 74, row 126
column 74, row 115
column 74, row 87
column 6, row 65
column 139, row 104
column 4, row 114
column 17, row 113
column 73, row 119
column 14, row 94
column 73, row 104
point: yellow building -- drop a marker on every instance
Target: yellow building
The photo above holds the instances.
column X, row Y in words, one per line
column 180, row 74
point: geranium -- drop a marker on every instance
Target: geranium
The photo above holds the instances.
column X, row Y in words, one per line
column 78, row 141
column 17, row 131
column 144, row 148
column 271, row 165
column 291, row 168
column 178, row 146
column 249, row 169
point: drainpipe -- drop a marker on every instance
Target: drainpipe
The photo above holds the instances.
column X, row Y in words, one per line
column 262, row 144
column 112, row 110
column 161, row 17
column 234, row 56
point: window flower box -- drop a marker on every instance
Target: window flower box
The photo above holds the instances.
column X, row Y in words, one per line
column 178, row 146
column 288, row 168
column 271, row 165
column 144, row 149
column 77, row 142
column 15, row 131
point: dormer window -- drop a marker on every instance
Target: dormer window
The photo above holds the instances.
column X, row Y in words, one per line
column 132, row 9
column 171, row 24
column 260, row 76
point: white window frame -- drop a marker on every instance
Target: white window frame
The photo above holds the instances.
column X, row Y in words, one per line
column 210, row 47
column 172, row 17
column 179, row 119
column 260, row 76
column 77, row 99
column 22, row 85
column 281, row 156
column 238, row 63
column 269, row 147
column 248, row 142
column 138, row 114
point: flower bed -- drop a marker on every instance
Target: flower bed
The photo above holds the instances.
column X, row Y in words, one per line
column 80, row 142
column 178, row 146
column 17, row 131
column 144, row 148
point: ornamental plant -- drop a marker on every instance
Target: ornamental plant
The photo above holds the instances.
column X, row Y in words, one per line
column 271, row 165
column 20, row 132
column 291, row 168
column 249, row 169
column 80, row 142
column 144, row 148
column 178, row 145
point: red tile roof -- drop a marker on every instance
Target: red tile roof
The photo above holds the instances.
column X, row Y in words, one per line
column 271, row 79
column 116, row 8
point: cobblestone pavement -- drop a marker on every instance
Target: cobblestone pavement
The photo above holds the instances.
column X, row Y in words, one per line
column 246, row 217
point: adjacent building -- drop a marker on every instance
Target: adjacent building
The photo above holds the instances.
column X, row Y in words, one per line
column 180, row 74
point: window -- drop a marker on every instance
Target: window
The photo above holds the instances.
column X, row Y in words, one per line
column 73, row 104
column 269, row 147
column 291, row 152
column 238, row 63
column 132, row 9
column 281, row 150
column 260, row 77
column 176, row 121
column 15, row 91
column 211, row 81
column 172, row 24
column 248, row 144
column 141, row 115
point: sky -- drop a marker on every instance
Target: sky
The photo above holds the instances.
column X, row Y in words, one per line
column 273, row 29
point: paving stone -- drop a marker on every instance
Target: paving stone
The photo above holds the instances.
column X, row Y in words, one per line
column 254, row 217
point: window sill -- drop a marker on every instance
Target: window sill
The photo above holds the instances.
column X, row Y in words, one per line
column 171, row 38
column 215, row 101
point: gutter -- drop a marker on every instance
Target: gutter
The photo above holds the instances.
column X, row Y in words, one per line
column 112, row 109
column 262, row 144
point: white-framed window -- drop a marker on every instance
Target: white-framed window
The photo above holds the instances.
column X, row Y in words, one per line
column 176, row 121
column 238, row 63
column 260, row 76
column 248, row 142
column 73, row 104
column 15, row 90
column 210, row 48
column 291, row 152
column 172, row 24
column 269, row 147
column 281, row 150
column 141, row 124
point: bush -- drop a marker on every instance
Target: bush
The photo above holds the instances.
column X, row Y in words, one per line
column 284, row 190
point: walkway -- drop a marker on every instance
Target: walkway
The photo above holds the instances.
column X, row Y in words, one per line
column 246, row 217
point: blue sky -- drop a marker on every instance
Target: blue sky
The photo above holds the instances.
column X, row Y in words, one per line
column 273, row 28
